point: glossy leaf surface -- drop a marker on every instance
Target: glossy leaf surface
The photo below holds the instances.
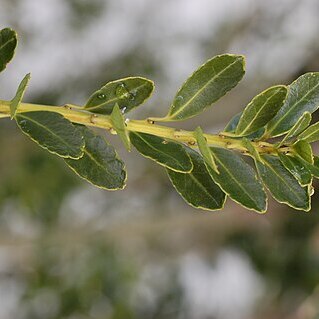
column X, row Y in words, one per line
column 128, row 93
column 238, row 179
column 232, row 125
column 206, row 85
column 313, row 168
column 197, row 187
column 15, row 102
column 303, row 96
column 100, row 164
column 164, row 152
column 282, row 184
column 304, row 150
column 311, row 134
column 52, row 132
column 300, row 125
column 261, row 110
column 8, row 43
column 296, row 168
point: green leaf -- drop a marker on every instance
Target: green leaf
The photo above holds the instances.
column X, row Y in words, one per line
column 100, row 164
column 282, row 184
column 303, row 96
column 232, row 125
column 296, row 168
column 251, row 149
column 311, row 134
column 206, row 85
column 204, row 149
column 304, row 150
column 316, row 164
column 238, row 180
column 261, row 110
column 120, row 127
column 300, row 125
column 8, row 43
column 52, row 132
column 313, row 168
column 128, row 93
column 197, row 187
column 15, row 102
column 164, row 152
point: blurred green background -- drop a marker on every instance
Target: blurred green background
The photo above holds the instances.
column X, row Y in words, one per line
column 69, row 250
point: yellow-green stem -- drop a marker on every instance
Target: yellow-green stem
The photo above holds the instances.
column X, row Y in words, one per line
column 77, row 114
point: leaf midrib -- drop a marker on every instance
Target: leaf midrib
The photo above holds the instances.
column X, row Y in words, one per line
column 47, row 129
column 181, row 109
column 6, row 43
column 235, row 180
column 315, row 131
column 258, row 112
column 97, row 163
column 291, row 109
column 203, row 188
column 159, row 151
column 114, row 99
column 283, row 180
column 295, row 128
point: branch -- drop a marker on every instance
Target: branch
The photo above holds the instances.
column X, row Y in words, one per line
column 273, row 129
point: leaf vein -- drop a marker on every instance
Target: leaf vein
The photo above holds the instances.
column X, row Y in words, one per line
column 203, row 88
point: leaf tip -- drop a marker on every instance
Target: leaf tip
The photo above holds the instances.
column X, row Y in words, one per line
column 243, row 60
